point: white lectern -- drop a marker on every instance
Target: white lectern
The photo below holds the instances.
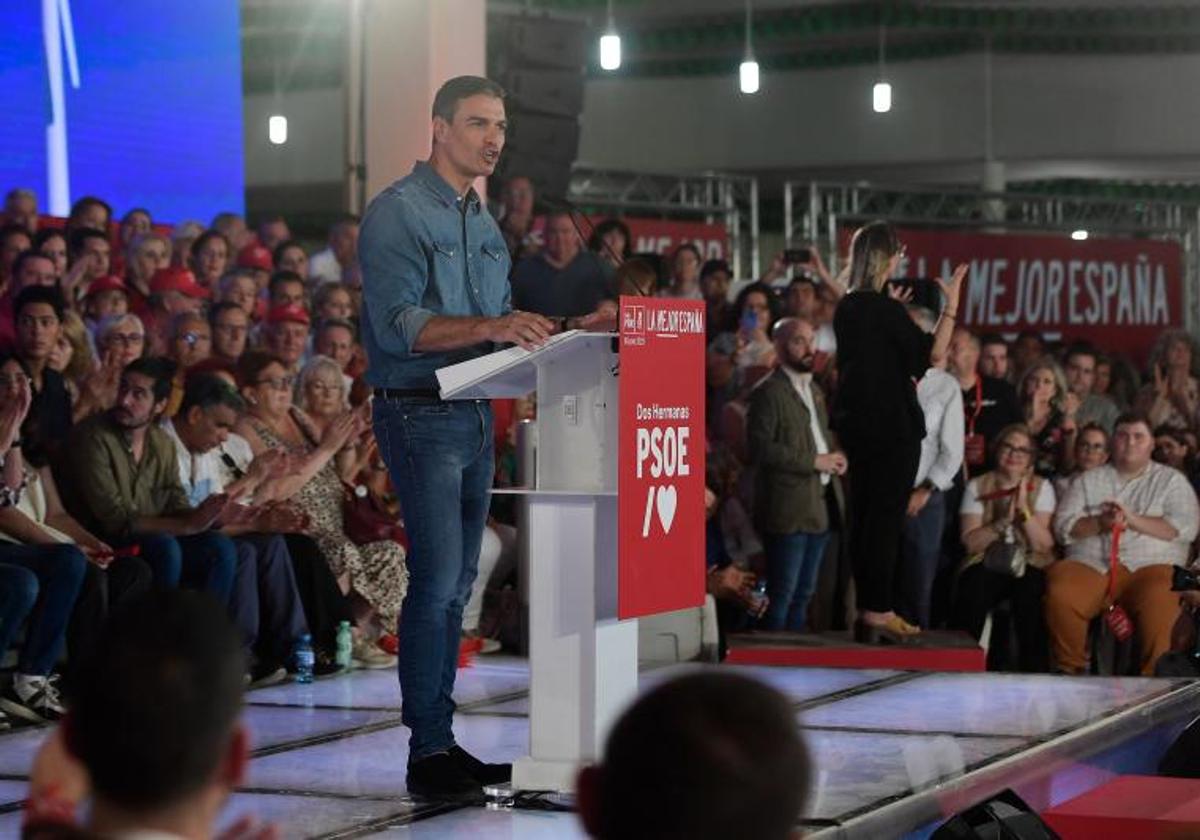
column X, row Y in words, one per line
column 583, row 661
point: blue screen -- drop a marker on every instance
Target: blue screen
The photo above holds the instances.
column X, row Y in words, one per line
column 156, row 119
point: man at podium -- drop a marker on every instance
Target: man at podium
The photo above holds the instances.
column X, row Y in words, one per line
column 435, row 293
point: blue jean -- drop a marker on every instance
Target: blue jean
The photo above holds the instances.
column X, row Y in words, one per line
column 205, row 561
column 18, row 594
column 920, row 554
column 440, row 457
column 793, row 563
column 59, row 570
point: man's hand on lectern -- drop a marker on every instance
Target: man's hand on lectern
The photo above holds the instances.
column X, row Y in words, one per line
column 604, row 319
column 527, row 330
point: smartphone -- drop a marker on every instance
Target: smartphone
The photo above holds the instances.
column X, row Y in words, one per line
column 797, row 256
column 749, row 322
column 925, row 291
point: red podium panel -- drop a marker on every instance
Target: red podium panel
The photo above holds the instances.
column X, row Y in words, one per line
column 1129, row 807
column 660, row 513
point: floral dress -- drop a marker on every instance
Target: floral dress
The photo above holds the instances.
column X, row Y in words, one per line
column 376, row 570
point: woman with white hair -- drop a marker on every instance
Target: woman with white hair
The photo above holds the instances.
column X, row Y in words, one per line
column 1171, row 397
column 321, row 393
column 119, row 340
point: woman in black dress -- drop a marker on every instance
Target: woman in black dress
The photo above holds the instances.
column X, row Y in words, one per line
column 881, row 354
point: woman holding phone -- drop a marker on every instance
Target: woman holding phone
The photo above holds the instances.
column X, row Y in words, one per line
column 881, row 355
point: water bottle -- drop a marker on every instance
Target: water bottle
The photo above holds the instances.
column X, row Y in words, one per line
column 304, row 659
column 759, row 594
column 345, row 641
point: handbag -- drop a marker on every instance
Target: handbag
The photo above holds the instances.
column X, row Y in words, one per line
column 1006, row 556
column 364, row 521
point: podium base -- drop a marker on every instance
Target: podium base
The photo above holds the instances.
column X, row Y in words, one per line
column 538, row 774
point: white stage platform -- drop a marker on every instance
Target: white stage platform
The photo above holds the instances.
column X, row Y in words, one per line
column 893, row 750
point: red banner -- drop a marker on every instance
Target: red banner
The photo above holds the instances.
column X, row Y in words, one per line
column 660, row 483
column 1118, row 294
column 656, row 236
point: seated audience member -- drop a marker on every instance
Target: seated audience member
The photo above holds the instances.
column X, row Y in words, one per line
column 285, row 333
column 273, row 231
column 1049, row 409
column 610, row 241
column 169, row 668
column 800, row 301
column 125, row 487
column 39, row 312
column 746, row 343
column 233, row 227
column 1012, row 503
column 230, row 327
column 323, row 397
column 989, row 403
column 146, row 255
column 291, row 256
column 72, row 357
column 191, row 339
column 333, row 300
column 1175, row 448
column 266, row 603
column 516, row 220
column 89, row 213
column 38, row 518
column 715, row 277
column 119, row 340
column 731, row 550
column 1081, row 379
column 636, row 278
column 1091, row 451
column 104, row 297
column 1027, row 349
column 684, row 278
column 374, row 572
column 941, row 462
column 14, row 241
column 286, row 288
column 183, row 236
column 335, row 339
column 563, row 280
column 21, row 208
column 1156, row 509
column 1171, row 397
column 257, row 259
column 43, row 578
column 30, row 269
column 797, row 476
column 90, row 258
column 726, row 746
column 338, row 262
column 239, row 287
column 136, row 222
column 993, row 356
column 173, row 291
column 211, row 255
column 52, row 243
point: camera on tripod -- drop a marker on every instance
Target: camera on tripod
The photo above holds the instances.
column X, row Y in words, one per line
column 1184, row 580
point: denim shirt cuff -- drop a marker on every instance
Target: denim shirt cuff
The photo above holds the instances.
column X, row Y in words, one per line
column 410, row 322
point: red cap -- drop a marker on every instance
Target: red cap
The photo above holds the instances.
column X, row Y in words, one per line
column 293, row 312
column 255, row 256
column 108, row 283
column 176, row 279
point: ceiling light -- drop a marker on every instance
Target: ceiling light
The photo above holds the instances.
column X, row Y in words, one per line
column 277, row 129
column 1079, row 235
column 881, row 94
column 610, row 44
column 748, row 71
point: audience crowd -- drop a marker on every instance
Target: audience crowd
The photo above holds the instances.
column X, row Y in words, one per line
column 184, row 407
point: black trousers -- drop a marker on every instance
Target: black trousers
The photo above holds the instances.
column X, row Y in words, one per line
column 881, row 480
column 979, row 590
column 103, row 591
column 324, row 604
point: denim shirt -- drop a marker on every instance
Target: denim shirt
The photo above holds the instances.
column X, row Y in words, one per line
column 425, row 251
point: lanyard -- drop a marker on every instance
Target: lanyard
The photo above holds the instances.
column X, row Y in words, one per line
column 978, row 404
column 1114, row 560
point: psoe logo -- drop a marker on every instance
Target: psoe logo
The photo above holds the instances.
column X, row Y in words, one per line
column 633, row 320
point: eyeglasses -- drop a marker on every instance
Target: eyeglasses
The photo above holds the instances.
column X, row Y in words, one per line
column 7, row 380
column 1092, row 447
column 128, row 339
column 1015, row 450
column 279, row 383
column 191, row 339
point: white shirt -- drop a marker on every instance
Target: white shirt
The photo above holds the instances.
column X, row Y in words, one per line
column 205, row 474
column 1044, row 503
column 1157, row 491
column 323, row 267
column 802, row 382
column 826, row 339
column 942, row 448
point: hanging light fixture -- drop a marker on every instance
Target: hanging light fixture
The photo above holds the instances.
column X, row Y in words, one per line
column 610, row 44
column 748, row 72
column 881, row 94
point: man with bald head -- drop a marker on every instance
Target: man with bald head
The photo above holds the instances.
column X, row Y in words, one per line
column 989, row 404
column 798, row 475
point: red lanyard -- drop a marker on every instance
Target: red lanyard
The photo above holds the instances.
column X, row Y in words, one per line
column 978, row 404
column 1114, row 560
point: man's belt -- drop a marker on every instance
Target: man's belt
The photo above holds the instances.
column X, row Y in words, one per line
column 408, row 393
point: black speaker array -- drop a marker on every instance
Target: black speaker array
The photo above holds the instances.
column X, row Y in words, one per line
column 540, row 62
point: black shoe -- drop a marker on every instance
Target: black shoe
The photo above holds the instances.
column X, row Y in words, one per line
column 440, row 776
column 266, row 673
column 485, row 774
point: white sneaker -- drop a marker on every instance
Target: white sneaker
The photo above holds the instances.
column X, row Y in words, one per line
column 39, row 694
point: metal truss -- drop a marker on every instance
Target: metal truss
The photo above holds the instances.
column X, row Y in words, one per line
column 814, row 211
column 709, row 196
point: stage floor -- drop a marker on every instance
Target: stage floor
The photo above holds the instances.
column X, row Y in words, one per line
column 893, row 749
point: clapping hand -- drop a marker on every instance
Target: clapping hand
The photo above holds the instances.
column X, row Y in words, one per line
column 952, row 288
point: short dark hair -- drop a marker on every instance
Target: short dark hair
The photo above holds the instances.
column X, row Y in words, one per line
column 24, row 257
column 78, row 240
column 992, row 338
column 12, row 229
column 45, row 235
column 711, row 267
column 453, row 91
column 596, row 240
column 156, row 701
column 280, row 277
column 218, row 308
column 1130, row 418
column 277, row 254
column 207, row 390
column 727, row 749
column 1080, row 348
column 1034, row 334
column 83, row 204
column 158, row 368
column 49, row 295
column 337, row 322
column 253, row 363
column 206, row 237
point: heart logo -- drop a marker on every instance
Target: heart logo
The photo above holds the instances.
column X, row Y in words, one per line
column 666, row 507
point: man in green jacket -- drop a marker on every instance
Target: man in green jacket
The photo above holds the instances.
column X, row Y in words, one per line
column 798, row 470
